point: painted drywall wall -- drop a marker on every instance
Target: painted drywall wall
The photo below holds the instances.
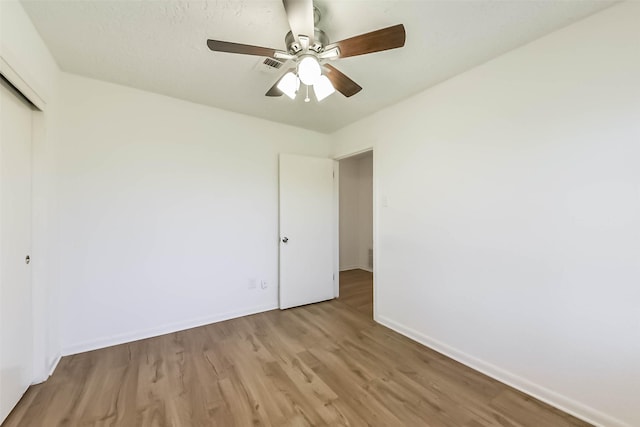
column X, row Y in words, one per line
column 356, row 212
column 25, row 52
column 348, row 214
column 168, row 210
column 511, row 239
column 365, row 210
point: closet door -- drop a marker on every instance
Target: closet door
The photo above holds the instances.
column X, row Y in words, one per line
column 16, row 325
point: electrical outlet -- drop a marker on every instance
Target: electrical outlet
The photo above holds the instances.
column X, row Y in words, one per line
column 264, row 284
column 253, row 283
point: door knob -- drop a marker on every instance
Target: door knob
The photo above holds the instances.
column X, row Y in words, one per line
column 285, row 239
column 27, row 259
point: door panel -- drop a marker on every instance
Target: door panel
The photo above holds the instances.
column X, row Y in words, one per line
column 16, row 330
column 307, row 230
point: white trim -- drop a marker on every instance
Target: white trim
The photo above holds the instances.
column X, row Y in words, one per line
column 354, row 153
column 157, row 331
column 336, row 226
column 376, row 246
column 14, row 77
column 54, row 364
column 537, row 391
column 52, row 367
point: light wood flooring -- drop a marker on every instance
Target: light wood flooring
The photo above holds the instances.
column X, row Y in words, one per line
column 356, row 291
column 325, row 364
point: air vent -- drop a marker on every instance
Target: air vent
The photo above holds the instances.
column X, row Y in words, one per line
column 274, row 63
column 269, row 65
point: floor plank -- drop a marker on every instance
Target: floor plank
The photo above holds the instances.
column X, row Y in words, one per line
column 356, row 290
column 326, row 364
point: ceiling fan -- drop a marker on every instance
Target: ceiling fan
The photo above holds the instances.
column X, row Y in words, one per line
column 309, row 51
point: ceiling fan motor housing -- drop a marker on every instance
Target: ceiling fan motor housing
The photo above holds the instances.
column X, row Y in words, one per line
column 319, row 42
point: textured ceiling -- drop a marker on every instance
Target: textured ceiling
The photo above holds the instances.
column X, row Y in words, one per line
column 160, row 46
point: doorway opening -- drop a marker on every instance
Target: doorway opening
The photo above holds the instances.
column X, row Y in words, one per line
column 356, row 232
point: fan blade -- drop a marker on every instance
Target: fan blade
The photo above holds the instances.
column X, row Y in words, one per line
column 244, row 49
column 300, row 16
column 341, row 82
column 274, row 91
column 375, row 41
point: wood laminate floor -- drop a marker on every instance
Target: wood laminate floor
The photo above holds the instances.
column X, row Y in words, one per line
column 356, row 290
column 325, row 364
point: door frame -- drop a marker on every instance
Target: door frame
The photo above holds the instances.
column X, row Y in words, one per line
column 336, row 229
column 375, row 222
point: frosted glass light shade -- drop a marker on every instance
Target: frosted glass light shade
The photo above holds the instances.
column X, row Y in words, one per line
column 309, row 70
column 323, row 88
column 289, row 85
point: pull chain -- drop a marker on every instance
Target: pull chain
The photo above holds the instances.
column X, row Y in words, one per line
column 307, row 98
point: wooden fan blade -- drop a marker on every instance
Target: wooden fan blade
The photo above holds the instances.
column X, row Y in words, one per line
column 375, row 41
column 244, row 49
column 341, row 82
column 300, row 16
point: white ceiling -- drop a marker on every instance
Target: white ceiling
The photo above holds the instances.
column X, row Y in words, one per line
column 160, row 46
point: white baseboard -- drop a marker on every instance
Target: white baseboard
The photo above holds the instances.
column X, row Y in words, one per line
column 54, row 364
column 165, row 329
column 356, row 267
column 570, row 406
column 49, row 371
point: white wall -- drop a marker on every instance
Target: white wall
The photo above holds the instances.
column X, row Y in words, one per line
column 348, row 212
column 356, row 211
column 168, row 209
column 23, row 49
column 511, row 240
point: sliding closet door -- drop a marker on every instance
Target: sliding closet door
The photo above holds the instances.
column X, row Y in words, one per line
column 16, row 329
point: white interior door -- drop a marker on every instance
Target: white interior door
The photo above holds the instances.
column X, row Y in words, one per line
column 307, row 230
column 16, row 330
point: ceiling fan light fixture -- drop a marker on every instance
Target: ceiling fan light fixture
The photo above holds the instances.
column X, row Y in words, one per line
column 323, row 88
column 289, row 85
column 309, row 70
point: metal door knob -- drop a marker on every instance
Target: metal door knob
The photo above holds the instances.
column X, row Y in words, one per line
column 27, row 259
column 285, row 239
